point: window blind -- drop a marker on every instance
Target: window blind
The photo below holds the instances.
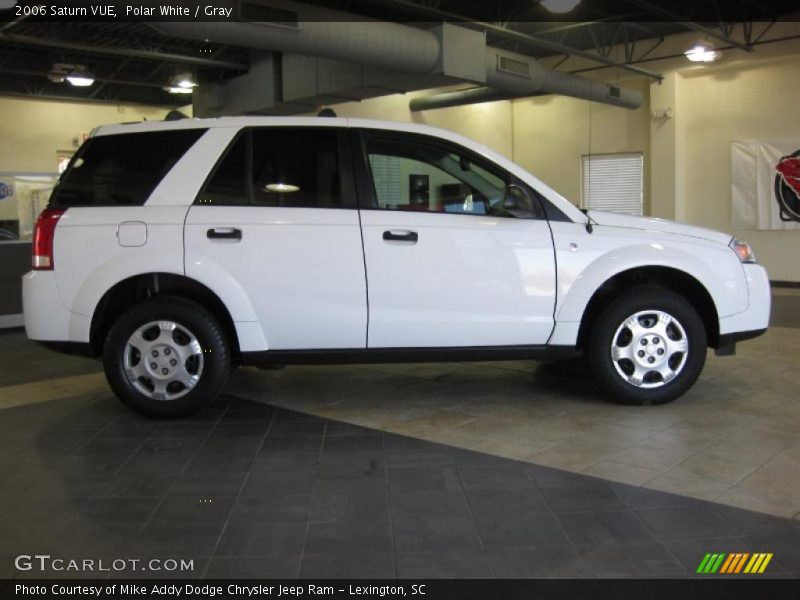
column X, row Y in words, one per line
column 614, row 182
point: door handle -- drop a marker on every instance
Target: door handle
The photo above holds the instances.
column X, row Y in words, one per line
column 401, row 236
column 224, row 233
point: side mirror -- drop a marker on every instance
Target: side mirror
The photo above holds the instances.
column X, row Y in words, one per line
column 519, row 203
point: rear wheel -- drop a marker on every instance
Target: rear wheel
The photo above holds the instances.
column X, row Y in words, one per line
column 648, row 346
column 166, row 357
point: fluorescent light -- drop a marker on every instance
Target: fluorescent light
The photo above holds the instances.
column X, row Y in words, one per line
column 186, row 84
column 702, row 52
column 174, row 89
column 80, row 79
column 281, row 188
column 560, row 6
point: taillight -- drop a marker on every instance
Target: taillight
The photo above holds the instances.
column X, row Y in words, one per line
column 43, row 236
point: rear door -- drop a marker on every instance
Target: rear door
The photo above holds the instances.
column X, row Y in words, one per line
column 447, row 264
column 277, row 219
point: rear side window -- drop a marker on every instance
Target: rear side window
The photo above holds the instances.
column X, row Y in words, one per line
column 121, row 170
column 278, row 166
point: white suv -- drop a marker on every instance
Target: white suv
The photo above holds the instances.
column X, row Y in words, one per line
column 178, row 250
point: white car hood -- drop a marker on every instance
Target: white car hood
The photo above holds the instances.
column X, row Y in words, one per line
column 659, row 225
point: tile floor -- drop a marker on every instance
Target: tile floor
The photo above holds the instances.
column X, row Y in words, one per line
column 248, row 490
column 385, row 470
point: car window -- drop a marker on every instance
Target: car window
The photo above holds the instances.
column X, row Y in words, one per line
column 411, row 175
column 274, row 166
column 121, row 170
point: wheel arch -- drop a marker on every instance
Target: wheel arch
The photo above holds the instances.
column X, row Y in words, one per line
column 132, row 290
column 671, row 278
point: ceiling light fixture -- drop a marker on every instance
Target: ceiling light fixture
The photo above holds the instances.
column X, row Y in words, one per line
column 560, row 6
column 175, row 89
column 80, row 78
column 703, row 52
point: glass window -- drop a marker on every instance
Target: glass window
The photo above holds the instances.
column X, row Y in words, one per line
column 277, row 166
column 296, row 168
column 413, row 175
column 121, row 170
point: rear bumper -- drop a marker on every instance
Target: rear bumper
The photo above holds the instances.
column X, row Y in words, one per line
column 46, row 319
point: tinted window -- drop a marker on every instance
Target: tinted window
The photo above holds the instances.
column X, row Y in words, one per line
column 276, row 166
column 295, row 167
column 121, row 170
column 415, row 175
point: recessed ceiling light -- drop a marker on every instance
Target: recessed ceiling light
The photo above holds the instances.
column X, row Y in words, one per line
column 560, row 6
column 703, row 52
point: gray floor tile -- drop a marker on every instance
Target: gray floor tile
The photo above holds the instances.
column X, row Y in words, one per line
column 456, row 564
column 585, row 496
column 419, row 479
column 272, row 567
column 413, row 505
column 686, row 523
column 117, row 510
column 275, row 508
column 299, row 480
column 177, row 541
column 356, row 566
column 486, row 477
column 135, row 485
column 190, row 510
column 639, row 560
column 521, row 532
column 561, row 562
column 421, row 535
column 349, row 538
column 207, row 485
column 262, row 539
column 605, row 527
column 349, row 506
column 502, row 503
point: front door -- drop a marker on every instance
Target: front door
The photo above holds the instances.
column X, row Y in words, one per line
column 448, row 263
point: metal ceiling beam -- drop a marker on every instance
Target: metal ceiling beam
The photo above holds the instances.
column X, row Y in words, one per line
column 103, row 80
column 127, row 52
column 519, row 36
column 667, row 14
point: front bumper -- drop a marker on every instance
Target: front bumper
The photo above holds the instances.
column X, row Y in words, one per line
column 753, row 321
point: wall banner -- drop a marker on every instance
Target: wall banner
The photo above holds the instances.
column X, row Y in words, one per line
column 766, row 184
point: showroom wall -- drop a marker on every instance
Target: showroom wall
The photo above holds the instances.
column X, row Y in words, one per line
column 725, row 104
column 553, row 133
column 33, row 132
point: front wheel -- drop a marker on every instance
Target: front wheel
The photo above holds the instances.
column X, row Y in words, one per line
column 648, row 346
column 166, row 357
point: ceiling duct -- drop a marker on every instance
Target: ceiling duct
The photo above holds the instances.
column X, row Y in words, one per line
column 402, row 48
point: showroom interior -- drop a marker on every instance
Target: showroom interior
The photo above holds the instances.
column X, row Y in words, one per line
column 506, row 470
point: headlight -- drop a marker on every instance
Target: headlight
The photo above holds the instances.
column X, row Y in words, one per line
column 743, row 251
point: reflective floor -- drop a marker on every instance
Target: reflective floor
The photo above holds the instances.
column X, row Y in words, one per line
column 450, row 470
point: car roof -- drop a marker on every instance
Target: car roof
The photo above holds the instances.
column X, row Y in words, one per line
column 246, row 121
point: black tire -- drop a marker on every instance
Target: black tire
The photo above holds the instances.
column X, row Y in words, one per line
column 684, row 368
column 214, row 364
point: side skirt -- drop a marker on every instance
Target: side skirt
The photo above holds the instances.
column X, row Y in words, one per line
column 397, row 355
